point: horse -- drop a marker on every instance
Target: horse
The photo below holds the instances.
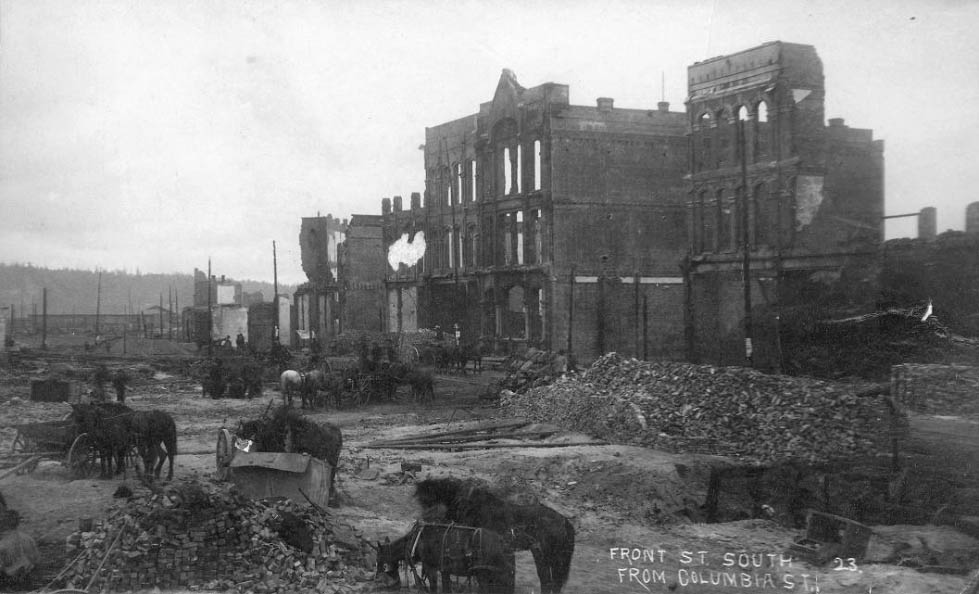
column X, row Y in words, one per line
column 546, row 533
column 286, row 426
column 291, row 381
column 154, row 430
column 452, row 550
column 422, row 385
column 108, row 425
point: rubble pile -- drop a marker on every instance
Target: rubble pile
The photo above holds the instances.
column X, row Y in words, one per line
column 532, row 369
column 205, row 534
column 937, row 389
column 727, row 411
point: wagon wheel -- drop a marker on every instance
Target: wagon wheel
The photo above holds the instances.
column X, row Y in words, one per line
column 82, row 459
column 224, row 453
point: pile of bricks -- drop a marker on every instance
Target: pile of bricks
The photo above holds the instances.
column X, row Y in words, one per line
column 728, row 411
column 206, row 535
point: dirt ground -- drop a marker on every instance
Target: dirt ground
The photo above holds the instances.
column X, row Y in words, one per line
column 626, row 503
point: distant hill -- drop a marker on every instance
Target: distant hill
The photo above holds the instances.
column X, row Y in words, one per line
column 76, row 291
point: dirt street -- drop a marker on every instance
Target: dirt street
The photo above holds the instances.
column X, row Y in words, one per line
column 627, row 503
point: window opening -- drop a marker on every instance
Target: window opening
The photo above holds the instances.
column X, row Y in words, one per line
column 537, row 161
column 520, row 245
column 507, row 172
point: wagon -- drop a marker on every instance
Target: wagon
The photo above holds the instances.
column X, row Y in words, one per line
column 259, row 475
column 56, row 440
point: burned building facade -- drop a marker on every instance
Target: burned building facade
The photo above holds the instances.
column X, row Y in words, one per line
column 316, row 303
column 545, row 224
column 775, row 196
column 361, row 267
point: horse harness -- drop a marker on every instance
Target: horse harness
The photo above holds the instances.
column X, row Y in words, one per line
column 419, row 528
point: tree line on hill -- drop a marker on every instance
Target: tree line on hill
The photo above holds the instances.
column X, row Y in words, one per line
column 72, row 291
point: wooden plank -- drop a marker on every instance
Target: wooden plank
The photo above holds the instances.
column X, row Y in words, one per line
column 490, row 426
column 468, row 438
column 490, row 446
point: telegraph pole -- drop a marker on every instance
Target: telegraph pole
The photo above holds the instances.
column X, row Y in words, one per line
column 209, row 321
column 44, row 320
column 275, row 297
column 98, row 304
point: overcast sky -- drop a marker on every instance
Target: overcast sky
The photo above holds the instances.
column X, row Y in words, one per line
column 154, row 135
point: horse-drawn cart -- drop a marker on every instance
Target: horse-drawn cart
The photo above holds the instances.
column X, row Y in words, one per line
column 259, row 475
column 56, row 440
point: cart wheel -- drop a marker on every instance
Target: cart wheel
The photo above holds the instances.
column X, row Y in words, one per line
column 224, row 453
column 82, row 458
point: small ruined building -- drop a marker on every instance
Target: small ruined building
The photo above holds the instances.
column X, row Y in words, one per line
column 222, row 310
column 545, row 224
column 768, row 176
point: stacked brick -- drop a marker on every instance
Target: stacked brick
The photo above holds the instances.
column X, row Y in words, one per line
column 729, row 411
column 205, row 535
column 937, row 389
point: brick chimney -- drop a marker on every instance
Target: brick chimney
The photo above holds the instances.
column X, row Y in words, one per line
column 605, row 103
column 663, row 106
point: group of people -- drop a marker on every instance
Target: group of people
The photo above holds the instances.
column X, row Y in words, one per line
column 102, row 376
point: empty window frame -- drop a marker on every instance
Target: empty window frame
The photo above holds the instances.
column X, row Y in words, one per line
column 537, row 165
column 507, row 171
column 520, row 236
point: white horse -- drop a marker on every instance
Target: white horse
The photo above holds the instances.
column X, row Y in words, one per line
column 290, row 381
column 307, row 384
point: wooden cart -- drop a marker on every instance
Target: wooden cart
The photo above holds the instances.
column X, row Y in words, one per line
column 56, row 440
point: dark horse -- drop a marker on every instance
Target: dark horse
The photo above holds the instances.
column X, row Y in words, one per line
column 154, row 430
column 287, row 426
column 450, row 549
column 108, row 425
column 547, row 534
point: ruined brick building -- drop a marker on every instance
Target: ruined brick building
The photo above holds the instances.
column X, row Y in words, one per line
column 597, row 228
column 768, row 177
column 547, row 224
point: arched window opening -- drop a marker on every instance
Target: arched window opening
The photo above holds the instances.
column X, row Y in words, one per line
column 723, row 207
column 723, row 130
column 538, row 238
column 473, row 195
column 451, row 237
column 507, row 220
column 537, row 160
column 702, row 158
column 519, row 179
column 459, row 184
column 507, row 171
column 520, row 235
column 764, row 220
column 709, row 220
column 762, row 132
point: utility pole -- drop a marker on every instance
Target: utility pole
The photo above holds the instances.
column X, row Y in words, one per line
column 275, row 297
column 571, row 312
column 161, row 314
column 44, row 320
column 170, row 312
column 98, row 304
column 745, row 241
column 210, row 330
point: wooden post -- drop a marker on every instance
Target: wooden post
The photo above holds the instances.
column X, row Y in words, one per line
column 645, row 329
column 571, row 313
column 44, row 319
column 98, row 304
